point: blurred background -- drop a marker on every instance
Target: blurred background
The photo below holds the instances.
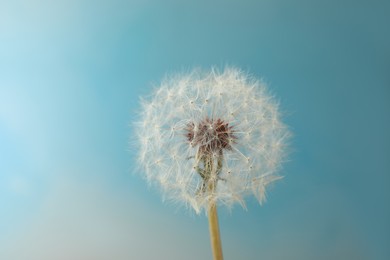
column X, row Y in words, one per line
column 71, row 73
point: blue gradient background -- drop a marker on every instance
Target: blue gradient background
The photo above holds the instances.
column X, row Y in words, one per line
column 71, row 73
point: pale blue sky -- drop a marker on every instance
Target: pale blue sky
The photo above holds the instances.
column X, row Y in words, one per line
column 71, row 73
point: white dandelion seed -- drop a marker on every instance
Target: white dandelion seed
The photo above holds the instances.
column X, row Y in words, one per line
column 211, row 138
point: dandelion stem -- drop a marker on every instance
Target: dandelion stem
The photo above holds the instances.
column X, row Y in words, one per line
column 214, row 232
column 215, row 237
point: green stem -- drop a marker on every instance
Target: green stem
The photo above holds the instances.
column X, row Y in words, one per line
column 209, row 185
column 215, row 237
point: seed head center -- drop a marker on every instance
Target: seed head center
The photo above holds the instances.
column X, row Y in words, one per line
column 210, row 135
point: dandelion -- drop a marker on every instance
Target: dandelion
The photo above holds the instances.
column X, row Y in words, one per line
column 211, row 138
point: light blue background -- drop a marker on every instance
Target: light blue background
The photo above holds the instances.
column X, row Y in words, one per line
column 71, row 73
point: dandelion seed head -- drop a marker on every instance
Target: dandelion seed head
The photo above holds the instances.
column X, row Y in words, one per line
column 210, row 135
column 220, row 128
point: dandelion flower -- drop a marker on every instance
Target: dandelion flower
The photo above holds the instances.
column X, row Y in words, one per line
column 209, row 138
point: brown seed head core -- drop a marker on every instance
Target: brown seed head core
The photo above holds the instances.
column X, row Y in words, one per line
column 211, row 135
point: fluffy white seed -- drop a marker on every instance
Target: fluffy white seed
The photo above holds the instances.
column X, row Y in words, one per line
column 252, row 151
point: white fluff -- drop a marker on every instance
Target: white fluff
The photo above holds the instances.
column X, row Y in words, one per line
column 168, row 158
